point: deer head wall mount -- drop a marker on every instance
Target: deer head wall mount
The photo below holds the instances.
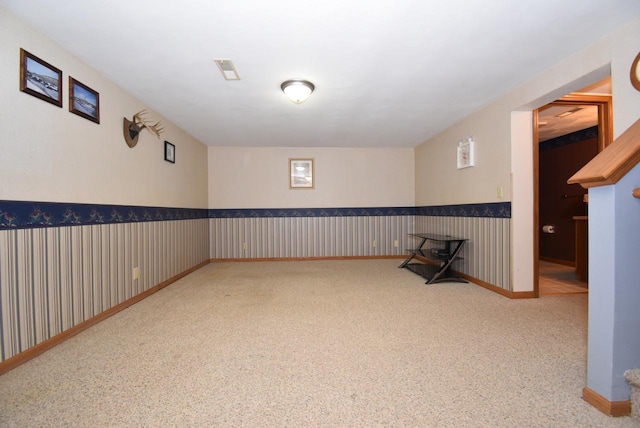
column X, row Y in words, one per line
column 132, row 128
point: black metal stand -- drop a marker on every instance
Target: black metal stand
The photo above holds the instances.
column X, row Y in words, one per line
column 440, row 259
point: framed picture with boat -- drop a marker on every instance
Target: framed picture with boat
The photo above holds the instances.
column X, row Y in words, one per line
column 40, row 79
column 84, row 101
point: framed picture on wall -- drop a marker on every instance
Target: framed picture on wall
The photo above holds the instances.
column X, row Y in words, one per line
column 40, row 79
column 84, row 101
column 466, row 155
column 169, row 152
column 301, row 174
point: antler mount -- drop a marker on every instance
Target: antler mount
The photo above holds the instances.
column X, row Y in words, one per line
column 132, row 128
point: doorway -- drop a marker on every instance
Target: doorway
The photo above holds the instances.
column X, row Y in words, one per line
column 568, row 133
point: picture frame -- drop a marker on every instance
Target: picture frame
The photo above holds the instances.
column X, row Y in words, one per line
column 301, row 174
column 40, row 79
column 84, row 101
column 466, row 154
column 169, row 152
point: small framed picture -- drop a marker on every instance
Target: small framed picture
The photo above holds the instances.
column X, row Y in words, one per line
column 84, row 101
column 40, row 79
column 466, row 155
column 169, row 152
column 301, row 174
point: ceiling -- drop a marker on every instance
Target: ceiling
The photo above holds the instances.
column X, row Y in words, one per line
column 388, row 73
column 557, row 120
column 552, row 122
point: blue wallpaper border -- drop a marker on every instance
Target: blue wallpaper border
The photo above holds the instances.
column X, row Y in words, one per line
column 492, row 209
column 311, row 212
column 574, row 137
column 30, row 215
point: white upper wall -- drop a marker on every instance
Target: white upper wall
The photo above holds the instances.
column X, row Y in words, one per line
column 50, row 154
column 504, row 143
column 438, row 182
column 241, row 177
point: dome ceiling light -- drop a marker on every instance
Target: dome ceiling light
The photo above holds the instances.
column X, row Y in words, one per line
column 297, row 90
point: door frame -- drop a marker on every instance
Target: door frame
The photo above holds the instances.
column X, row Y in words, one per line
column 605, row 137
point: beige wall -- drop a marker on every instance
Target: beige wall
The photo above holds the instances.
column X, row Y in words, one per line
column 241, row 177
column 503, row 130
column 491, row 126
column 50, row 154
column 439, row 182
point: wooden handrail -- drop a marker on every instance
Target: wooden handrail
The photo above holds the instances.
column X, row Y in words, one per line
column 611, row 164
column 636, row 192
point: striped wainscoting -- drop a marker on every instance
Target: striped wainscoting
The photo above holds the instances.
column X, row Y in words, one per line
column 54, row 278
column 62, row 265
column 309, row 237
column 350, row 232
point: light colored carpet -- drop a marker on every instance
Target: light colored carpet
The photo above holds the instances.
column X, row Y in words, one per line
column 633, row 378
column 318, row 343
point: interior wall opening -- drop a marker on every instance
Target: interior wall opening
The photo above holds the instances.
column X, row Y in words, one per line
column 570, row 132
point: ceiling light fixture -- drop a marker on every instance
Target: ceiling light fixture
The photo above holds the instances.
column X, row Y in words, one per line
column 568, row 112
column 297, row 90
column 565, row 114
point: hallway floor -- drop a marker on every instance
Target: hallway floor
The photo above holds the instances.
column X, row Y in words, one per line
column 558, row 279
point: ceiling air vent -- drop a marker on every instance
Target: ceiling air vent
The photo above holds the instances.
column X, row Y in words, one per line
column 227, row 69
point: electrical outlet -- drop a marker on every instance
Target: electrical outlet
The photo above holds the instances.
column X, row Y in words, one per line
column 136, row 273
column 395, row 243
column 375, row 243
column 244, row 245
